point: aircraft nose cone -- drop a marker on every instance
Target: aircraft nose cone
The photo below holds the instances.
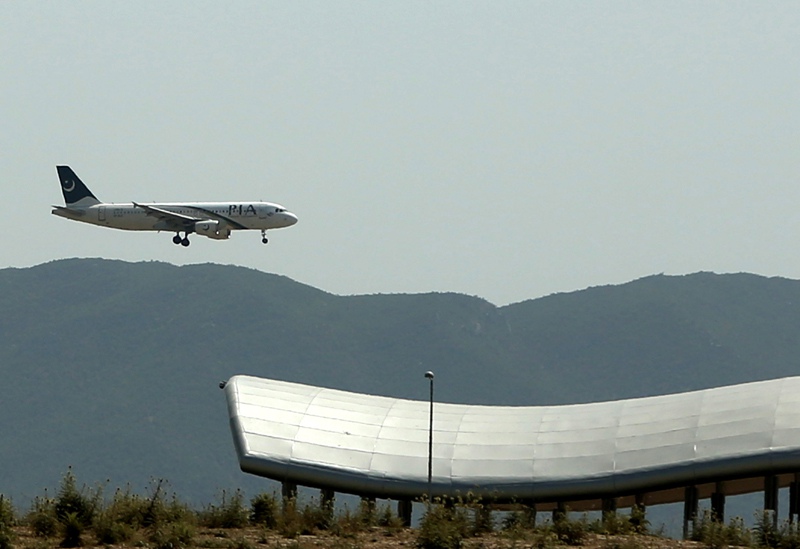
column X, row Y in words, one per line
column 290, row 219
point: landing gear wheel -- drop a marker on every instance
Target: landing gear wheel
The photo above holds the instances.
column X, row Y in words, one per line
column 176, row 239
column 185, row 242
column 264, row 240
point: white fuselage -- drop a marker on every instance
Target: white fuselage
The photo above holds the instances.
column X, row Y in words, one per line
column 131, row 217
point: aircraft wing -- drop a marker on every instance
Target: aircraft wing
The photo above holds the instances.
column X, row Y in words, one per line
column 176, row 220
column 166, row 215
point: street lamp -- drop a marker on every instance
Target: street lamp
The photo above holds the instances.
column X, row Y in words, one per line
column 429, row 375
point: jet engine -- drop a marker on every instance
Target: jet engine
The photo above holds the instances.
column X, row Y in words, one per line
column 212, row 229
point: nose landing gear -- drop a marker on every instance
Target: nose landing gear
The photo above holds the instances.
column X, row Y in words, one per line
column 264, row 239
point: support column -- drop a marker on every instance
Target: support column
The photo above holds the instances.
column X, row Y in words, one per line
column 326, row 503
column 609, row 508
column 529, row 512
column 794, row 497
column 404, row 511
column 771, row 497
column 689, row 508
column 368, row 509
column 288, row 490
column 289, row 494
column 638, row 518
column 560, row 512
column 718, row 503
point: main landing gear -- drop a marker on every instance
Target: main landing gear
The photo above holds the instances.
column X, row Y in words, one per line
column 264, row 236
column 182, row 241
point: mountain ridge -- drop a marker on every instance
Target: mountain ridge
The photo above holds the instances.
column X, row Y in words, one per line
column 113, row 367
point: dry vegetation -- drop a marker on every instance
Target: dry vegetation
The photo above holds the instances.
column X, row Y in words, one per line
column 84, row 518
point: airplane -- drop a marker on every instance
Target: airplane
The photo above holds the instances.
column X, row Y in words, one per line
column 214, row 220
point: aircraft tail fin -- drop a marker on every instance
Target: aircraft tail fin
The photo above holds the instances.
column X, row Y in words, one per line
column 75, row 192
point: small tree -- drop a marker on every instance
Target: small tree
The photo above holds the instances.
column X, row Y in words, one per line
column 71, row 501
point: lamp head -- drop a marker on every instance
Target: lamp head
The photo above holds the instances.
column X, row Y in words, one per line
column 429, row 374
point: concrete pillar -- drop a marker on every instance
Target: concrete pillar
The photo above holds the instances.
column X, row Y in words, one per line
column 404, row 511
column 288, row 494
column 689, row 508
column 638, row 516
column 718, row 503
column 609, row 508
column 771, row 497
column 560, row 512
column 529, row 511
column 368, row 509
column 326, row 503
column 794, row 497
column 288, row 490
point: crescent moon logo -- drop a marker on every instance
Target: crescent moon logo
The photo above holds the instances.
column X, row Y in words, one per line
column 69, row 186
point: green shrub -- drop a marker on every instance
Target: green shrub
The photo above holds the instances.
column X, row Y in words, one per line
column 570, row 532
column 716, row 534
column 516, row 522
column 290, row 523
column 613, row 524
column 7, row 514
column 111, row 529
column 42, row 518
column 386, row 518
column 7, row 521
column 638, row 520
column 736, row 533
column 72, row 528
column 789, row 536
column 151, row 511
column 482, row 520
column 347, row 524
column 6, row 537
column 765, row 532
column 367, row 513
column 442, row 528
column 230, row 513
column 128, row 509
column 264, row 510
column 315, row 517
column 73, row 505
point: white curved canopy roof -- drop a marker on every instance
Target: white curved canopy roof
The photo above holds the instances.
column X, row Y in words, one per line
column 378, row 446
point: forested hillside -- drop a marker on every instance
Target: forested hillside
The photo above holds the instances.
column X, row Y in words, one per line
column 113, row 367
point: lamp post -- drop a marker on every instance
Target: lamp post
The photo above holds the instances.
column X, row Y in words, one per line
column 429, row 375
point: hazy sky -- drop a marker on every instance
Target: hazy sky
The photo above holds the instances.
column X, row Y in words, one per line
column 507, row 150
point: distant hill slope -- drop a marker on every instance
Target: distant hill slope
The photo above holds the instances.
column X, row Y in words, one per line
column 113, row 367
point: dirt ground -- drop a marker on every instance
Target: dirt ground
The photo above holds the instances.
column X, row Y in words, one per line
column 378, row 538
